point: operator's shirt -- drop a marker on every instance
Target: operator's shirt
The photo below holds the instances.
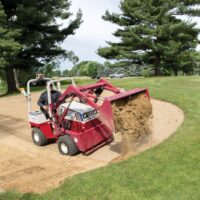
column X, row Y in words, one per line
column 43, row 100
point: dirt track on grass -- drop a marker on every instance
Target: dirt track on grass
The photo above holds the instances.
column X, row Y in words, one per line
column 26, row 167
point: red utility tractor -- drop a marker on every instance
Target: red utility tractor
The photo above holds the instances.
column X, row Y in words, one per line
column 81, row 120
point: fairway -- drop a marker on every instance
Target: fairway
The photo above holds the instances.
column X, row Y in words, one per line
column 168, row 171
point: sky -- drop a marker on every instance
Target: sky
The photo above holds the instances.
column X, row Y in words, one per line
column 94, row 31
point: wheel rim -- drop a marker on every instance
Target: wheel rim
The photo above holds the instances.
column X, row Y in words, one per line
column 64, row 148
column 36, row 137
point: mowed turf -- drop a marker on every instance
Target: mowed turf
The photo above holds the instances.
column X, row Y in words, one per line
column 169, row 171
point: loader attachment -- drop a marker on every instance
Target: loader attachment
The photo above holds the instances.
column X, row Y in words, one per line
column 127, row 112
column 116, row 107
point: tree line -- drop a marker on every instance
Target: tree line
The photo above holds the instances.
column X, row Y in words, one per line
column 94, row 69
column 153, row 39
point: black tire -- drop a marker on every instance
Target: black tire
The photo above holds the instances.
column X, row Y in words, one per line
column 38, row 137
column 67, row 146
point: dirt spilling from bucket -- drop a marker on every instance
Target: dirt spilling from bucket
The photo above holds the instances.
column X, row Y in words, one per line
column 132, row 118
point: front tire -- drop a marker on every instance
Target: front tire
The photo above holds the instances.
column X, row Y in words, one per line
column 38, row 137
column 67, row 146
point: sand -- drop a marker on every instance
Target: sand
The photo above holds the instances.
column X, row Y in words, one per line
column 29, row 168
column 132, row 118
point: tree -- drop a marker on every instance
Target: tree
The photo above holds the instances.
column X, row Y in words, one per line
column 179, row 53
column 92, row 69
column 41, row 32
column 85, row 68
column 196, row 55
column 150, row 33
column 65, row 72
column 8, row 46
column 49, row 69
column 57, row 73
column 71, row 57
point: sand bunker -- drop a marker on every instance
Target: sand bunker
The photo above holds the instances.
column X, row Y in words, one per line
column 29, row 168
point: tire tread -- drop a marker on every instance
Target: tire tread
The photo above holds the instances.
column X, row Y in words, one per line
column 72, row 148
column 42, row 141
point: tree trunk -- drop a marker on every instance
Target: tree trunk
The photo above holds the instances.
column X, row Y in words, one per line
column 10, row 79
column 175, row 71
column 16, row 78
column 157, row 66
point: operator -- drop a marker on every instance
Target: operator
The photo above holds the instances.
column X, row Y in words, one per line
column 43, row 100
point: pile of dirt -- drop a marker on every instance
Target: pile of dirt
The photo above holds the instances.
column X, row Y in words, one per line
column 132, row 118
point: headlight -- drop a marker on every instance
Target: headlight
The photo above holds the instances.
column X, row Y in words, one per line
column 94, row 112
column 85, row 115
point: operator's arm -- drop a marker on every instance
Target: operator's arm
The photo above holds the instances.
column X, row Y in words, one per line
column 42, row 101
column 58, row 94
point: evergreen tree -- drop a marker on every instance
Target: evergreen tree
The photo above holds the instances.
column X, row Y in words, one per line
column 150, row 33
column 8, row 46
column 41, row 32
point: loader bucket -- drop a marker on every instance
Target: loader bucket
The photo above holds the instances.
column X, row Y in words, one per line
column 115, row 104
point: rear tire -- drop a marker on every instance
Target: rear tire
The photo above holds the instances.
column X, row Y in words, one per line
column 67, row 146
column 38, row 137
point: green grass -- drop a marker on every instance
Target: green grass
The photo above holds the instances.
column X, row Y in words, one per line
column 169, row 171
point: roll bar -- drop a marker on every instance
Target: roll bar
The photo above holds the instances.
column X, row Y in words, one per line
column 50, row 81
column 29, row 92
